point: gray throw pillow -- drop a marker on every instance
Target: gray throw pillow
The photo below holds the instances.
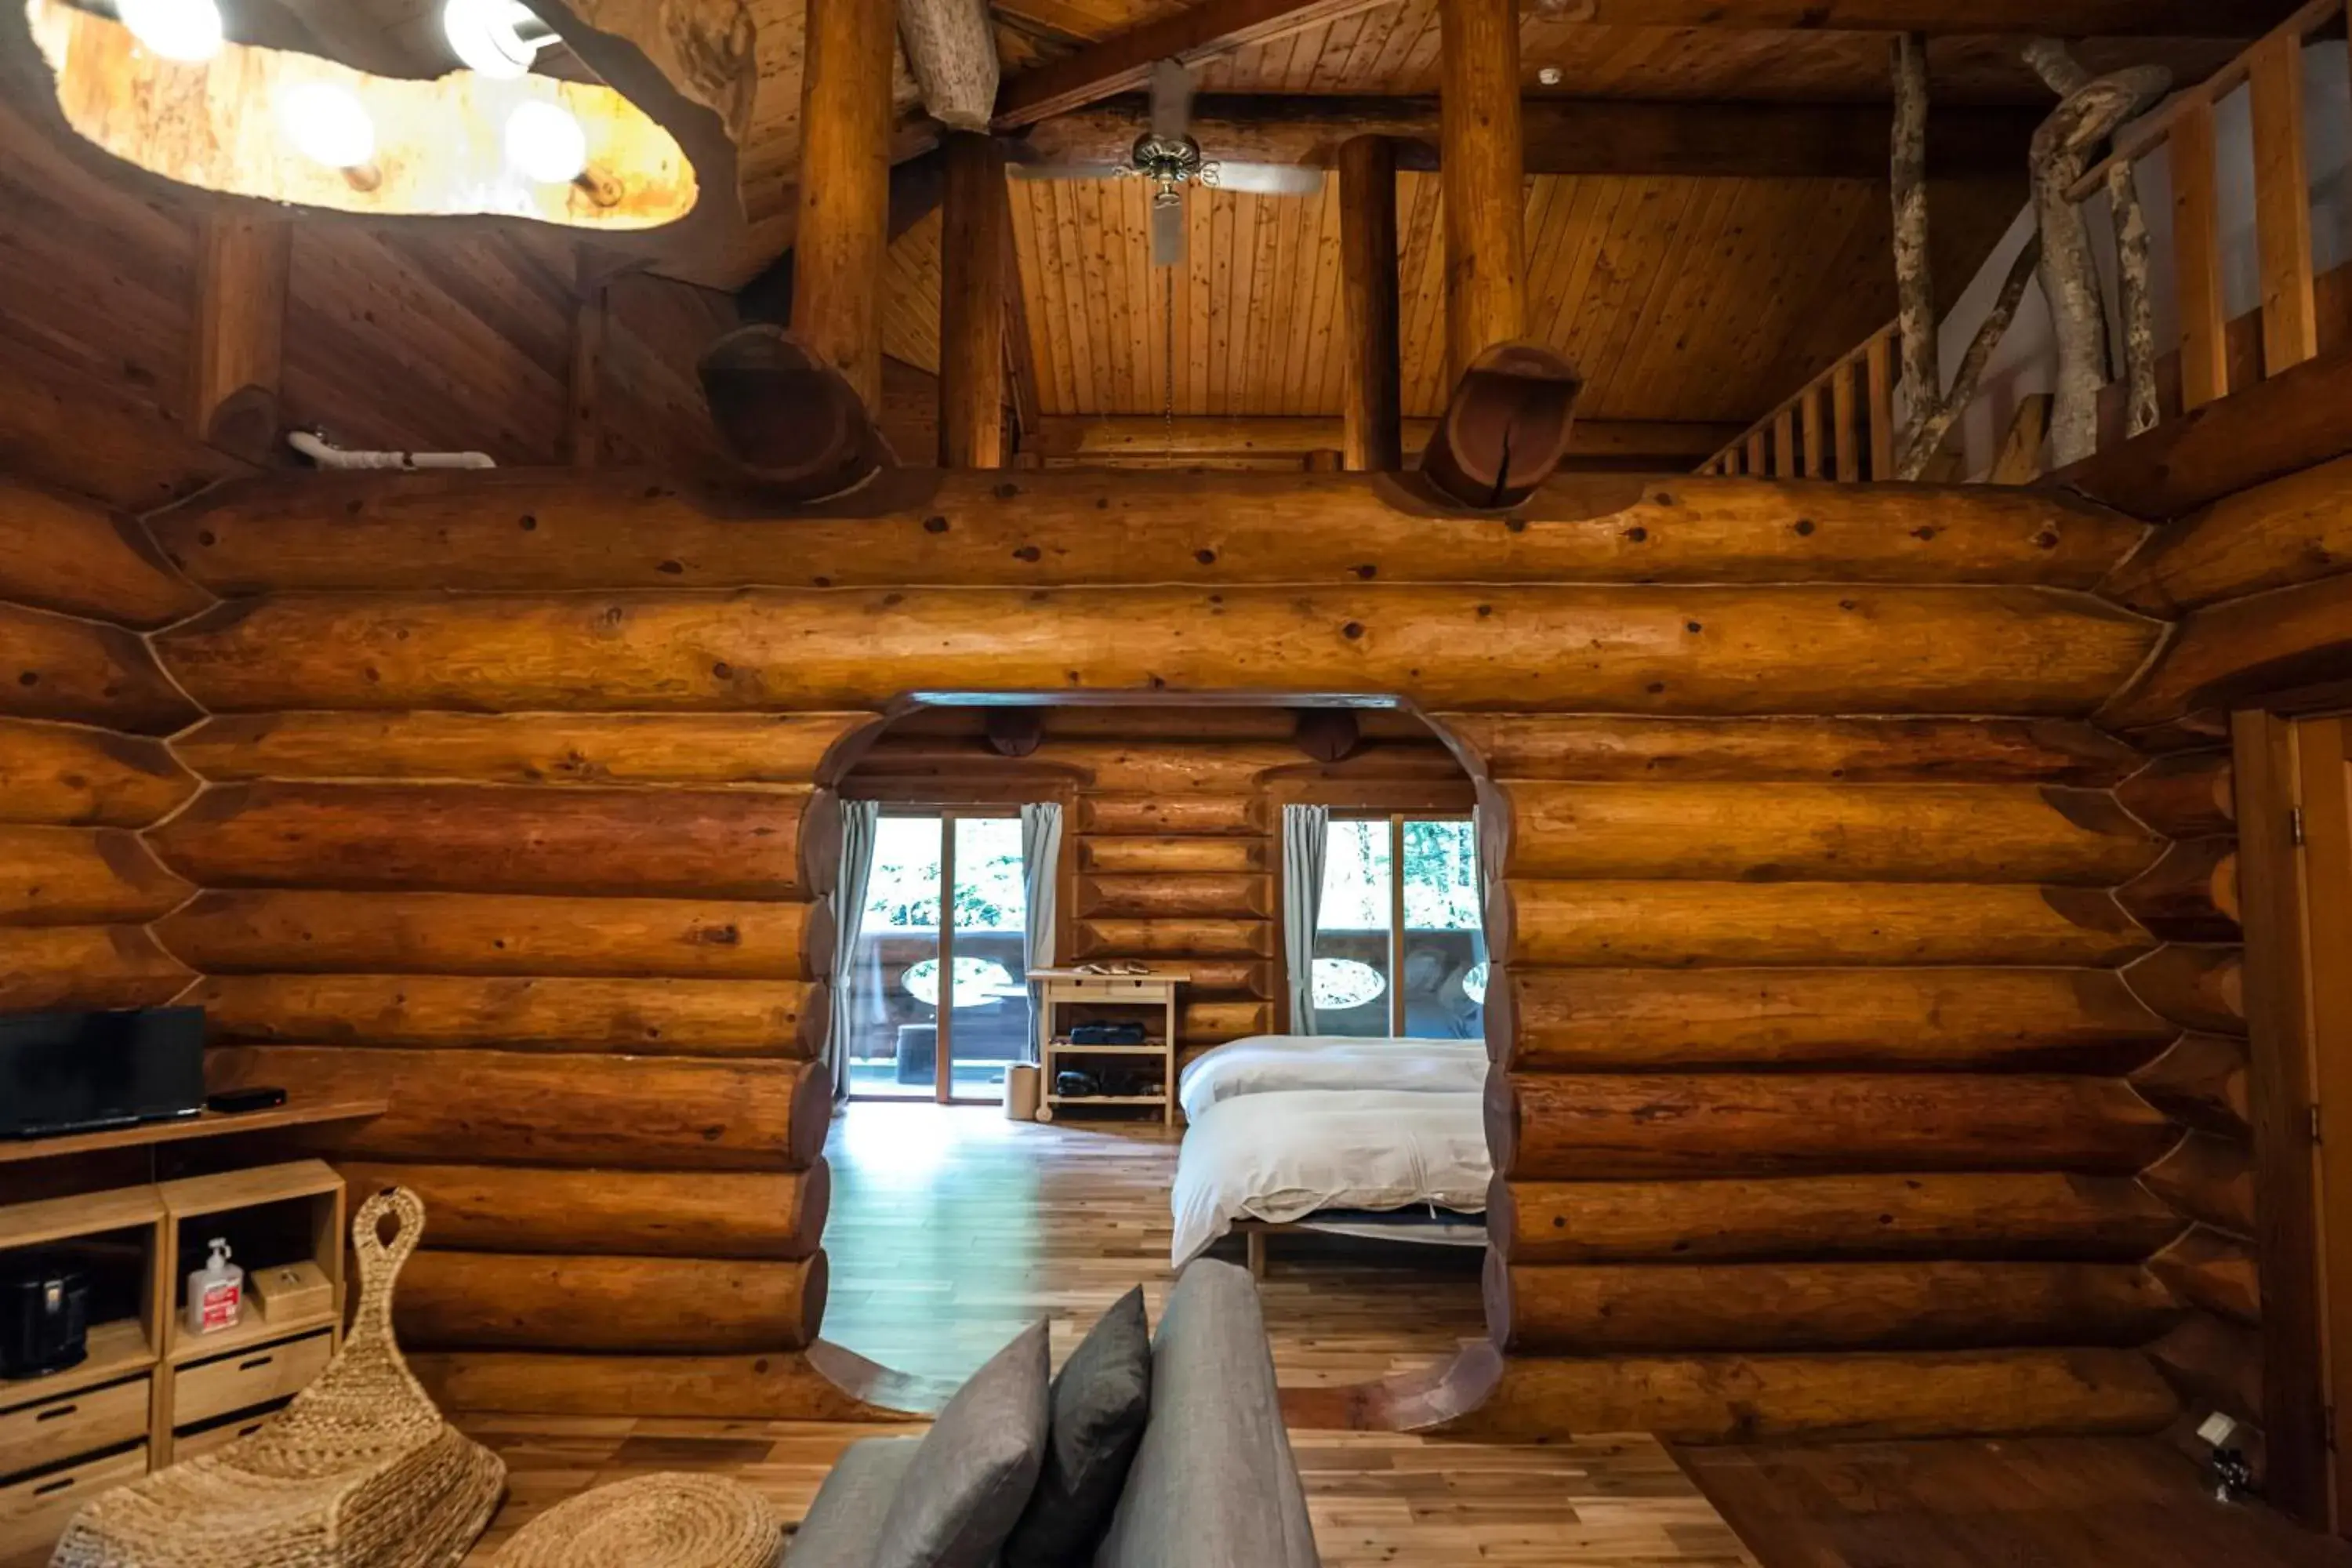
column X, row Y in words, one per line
column 973, row 1474
column 1102, row 1397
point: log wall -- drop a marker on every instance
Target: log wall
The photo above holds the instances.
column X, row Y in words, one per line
column 84, row 764
column 1809, row 995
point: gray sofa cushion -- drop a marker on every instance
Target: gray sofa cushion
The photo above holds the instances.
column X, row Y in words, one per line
column 1213, row 1484
column 848, row 1511
column 973, row 1473
column 1102, row 1397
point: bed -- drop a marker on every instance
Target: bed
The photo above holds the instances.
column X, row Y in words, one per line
column 1368, row 1137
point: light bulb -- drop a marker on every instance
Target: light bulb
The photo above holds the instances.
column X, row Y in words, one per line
column 327, row 123
column 496, row 38
column 186, row 30
column 546, row 142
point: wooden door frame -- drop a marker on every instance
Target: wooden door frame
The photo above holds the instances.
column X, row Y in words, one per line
column 943, row 1043
column 2299, row 1038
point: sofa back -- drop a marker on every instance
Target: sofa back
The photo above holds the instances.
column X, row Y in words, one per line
column 1213, row 1484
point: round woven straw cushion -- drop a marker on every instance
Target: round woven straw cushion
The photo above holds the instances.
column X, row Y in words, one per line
column 667, row 1520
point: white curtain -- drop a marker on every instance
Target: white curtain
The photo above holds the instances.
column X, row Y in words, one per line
column 1304, row 828
column 860, row 821
column 1041, row 860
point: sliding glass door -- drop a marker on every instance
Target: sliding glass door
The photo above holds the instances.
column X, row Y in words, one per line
column 941, row 1007
column 1399, row 946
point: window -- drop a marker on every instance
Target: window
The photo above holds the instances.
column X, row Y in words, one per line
column 903, row 1043
column 1400, row 953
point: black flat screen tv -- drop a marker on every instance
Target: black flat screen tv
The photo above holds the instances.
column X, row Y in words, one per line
column 73, row 1072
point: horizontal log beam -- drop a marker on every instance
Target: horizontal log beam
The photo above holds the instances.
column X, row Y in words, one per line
column 642, row 1213
column 2201, row 1082
column 1607, row 750
column 689, row 1306
column 522, row 747
column 1994, row 1215
column 1170, row 857
column 1601, row 1308
column 2197, row 987
column 2276, row 535
column 1611, row 925
column 1867, row 1396
column 1239, row 978
column 1186, row 816
column 2228, row 653
column 2192, row 796
column 1814, row 833
column 2028, row 1019
column 534, row 529
column 77, row 559
column 1121, row 63
column 2216, row 1271
column 86, row 966
column 775, row 1019
column 1127, row 437
column 83, row 876
column 269, row 932
column 2190, row 895
column 1689, row 649
column 1165, row 895
column 65, row 775
column 1172, row 939
column 2209, row 1178
column 2214, row 1362
column 1215, row 1023
column 537, row 1108
column 1626, row 137
column 1549, row 1127
column 84, row 672
column 781, row 843
column 767, row 1387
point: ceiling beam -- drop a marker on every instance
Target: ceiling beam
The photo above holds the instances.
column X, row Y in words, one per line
column 1097, row 437
column 1121, row 63
column 1566, row 136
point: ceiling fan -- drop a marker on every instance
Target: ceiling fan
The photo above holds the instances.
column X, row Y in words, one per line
column 1167, row 156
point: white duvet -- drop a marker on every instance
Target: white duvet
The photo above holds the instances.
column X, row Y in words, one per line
column 1280, row 1156
column 1270, row 1064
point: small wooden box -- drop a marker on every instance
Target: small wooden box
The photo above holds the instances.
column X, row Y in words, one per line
column 292, row 1291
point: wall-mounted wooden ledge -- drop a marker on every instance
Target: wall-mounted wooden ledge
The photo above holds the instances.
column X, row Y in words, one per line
column 209, row 1124
column 2294, row 420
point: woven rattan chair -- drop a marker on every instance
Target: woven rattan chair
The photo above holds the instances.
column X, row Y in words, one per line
column 670, row 1519
column 360, row 1471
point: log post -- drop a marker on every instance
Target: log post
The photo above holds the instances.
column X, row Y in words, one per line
column 242, row 269
column 971, row 306
column 1482, row 165
column 1371, row 407
column 844, row 189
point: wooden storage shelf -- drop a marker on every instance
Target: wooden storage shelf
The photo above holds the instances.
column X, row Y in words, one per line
column 1152, row 995
column 209, row 1124
column 69, row 1435
column 252, row 1332
column 119, row 1349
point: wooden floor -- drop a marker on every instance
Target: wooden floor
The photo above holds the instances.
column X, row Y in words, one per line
column 952, row 1228
column 2042, row 1503
column 1379, row 1499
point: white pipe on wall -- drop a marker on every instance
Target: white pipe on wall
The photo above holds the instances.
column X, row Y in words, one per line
column 327, row 455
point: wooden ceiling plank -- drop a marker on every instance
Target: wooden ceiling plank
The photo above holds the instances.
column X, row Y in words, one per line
column 2071, row 18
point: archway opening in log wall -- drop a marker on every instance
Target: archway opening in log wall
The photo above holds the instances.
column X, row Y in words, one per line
column 1172, row 807
column 1860, row 990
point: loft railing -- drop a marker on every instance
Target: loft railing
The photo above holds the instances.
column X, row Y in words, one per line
column 1842, row 424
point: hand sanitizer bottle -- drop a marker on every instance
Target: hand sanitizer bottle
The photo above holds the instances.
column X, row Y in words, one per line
column 216, row 1292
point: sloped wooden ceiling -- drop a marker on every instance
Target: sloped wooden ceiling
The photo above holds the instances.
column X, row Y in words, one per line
column 1679, row 298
